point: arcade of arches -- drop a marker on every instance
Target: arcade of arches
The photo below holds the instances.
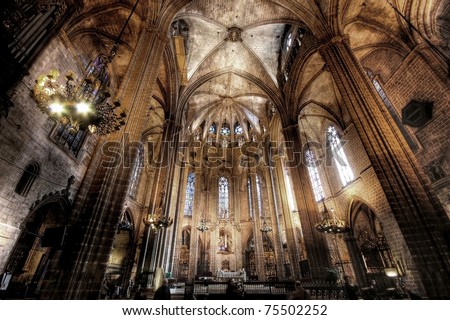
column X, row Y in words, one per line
column 248, row 123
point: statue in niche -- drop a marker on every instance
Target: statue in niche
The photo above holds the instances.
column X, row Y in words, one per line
column 225, row 242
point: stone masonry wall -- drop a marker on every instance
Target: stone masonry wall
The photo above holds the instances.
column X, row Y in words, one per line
column 19, row 146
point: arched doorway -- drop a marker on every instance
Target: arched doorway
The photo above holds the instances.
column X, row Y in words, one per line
column 369, row 250
column 38, row 256
column 118, row 269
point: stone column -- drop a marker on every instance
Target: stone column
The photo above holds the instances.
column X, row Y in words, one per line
column 200, row 212
column 420, row 216
column 284, row 217
column 104, row 195
column 271, row 213
column 171, row 192
column 179, row 219
column 236, row 221
column 257, row 234
column 315, row 242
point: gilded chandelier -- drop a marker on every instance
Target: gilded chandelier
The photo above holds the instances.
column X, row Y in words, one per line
column 81, row 105
column 158, row 220
column 331, row 224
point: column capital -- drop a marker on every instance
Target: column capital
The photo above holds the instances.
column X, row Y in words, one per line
column 338, row 39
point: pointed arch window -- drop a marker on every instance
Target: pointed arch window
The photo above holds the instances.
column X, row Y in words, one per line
column 30, row 173
column 289, row 190
column 238, row 129
column 212, row 128
column 412, row 144
column 314, row 175
column 136, row 173
column 259, row 196
column 225, row 130
column 344, row 169
column 190, row 192
column 223, row 198
column 69, row 139
column 249, row 194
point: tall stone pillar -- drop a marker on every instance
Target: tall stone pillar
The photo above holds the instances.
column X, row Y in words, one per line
column 315, row 242
column 272, row 214
column 235, row 222
column 284, row 215
column 257, row 234
column 103, row 193
column 201, row 212
column 420, row 216
column 171, row 191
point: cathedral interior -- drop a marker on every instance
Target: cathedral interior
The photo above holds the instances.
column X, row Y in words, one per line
column 271, row 142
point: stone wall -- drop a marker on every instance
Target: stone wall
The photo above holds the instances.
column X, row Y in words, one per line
column 32, row 142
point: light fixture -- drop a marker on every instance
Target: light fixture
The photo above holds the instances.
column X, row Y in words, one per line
column 331, row 223
column 157, row 220
column 202, row 227
column 84, row 104
column 265, row 228
column 391, row 272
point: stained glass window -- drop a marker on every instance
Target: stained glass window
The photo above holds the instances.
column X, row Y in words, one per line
column 345, row 172
column 223, row 198
column 136, row 173
column 249, row 193
column 190, row 191
column 314, row 175
column 212, row 129
column 412, row 144
column 259, row 196
column 238, row 129
column 69, row 139
column 225, row 129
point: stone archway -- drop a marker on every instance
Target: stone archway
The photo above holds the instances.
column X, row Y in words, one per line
column 118, row 269
column 38, row 256
column 370, row 253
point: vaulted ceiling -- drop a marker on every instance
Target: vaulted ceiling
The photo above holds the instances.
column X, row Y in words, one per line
column 232, row 62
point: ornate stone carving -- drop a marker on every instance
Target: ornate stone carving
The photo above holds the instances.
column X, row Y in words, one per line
column 234, row 34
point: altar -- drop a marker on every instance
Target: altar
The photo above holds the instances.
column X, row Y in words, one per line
column 236, row 275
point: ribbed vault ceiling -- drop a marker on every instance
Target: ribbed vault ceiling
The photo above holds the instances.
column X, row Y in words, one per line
column 233, row 50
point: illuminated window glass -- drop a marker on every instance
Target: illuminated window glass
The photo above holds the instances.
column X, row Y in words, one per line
column 259, row 196
column 190, row 191
column 238, row 129
column 289, row 41
column 69, row 139
column 345, row 172
column 225, row 130
column 314, row 175
column 412, row 144
column 223, row 198
column 137, row 169
column 249, row 193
